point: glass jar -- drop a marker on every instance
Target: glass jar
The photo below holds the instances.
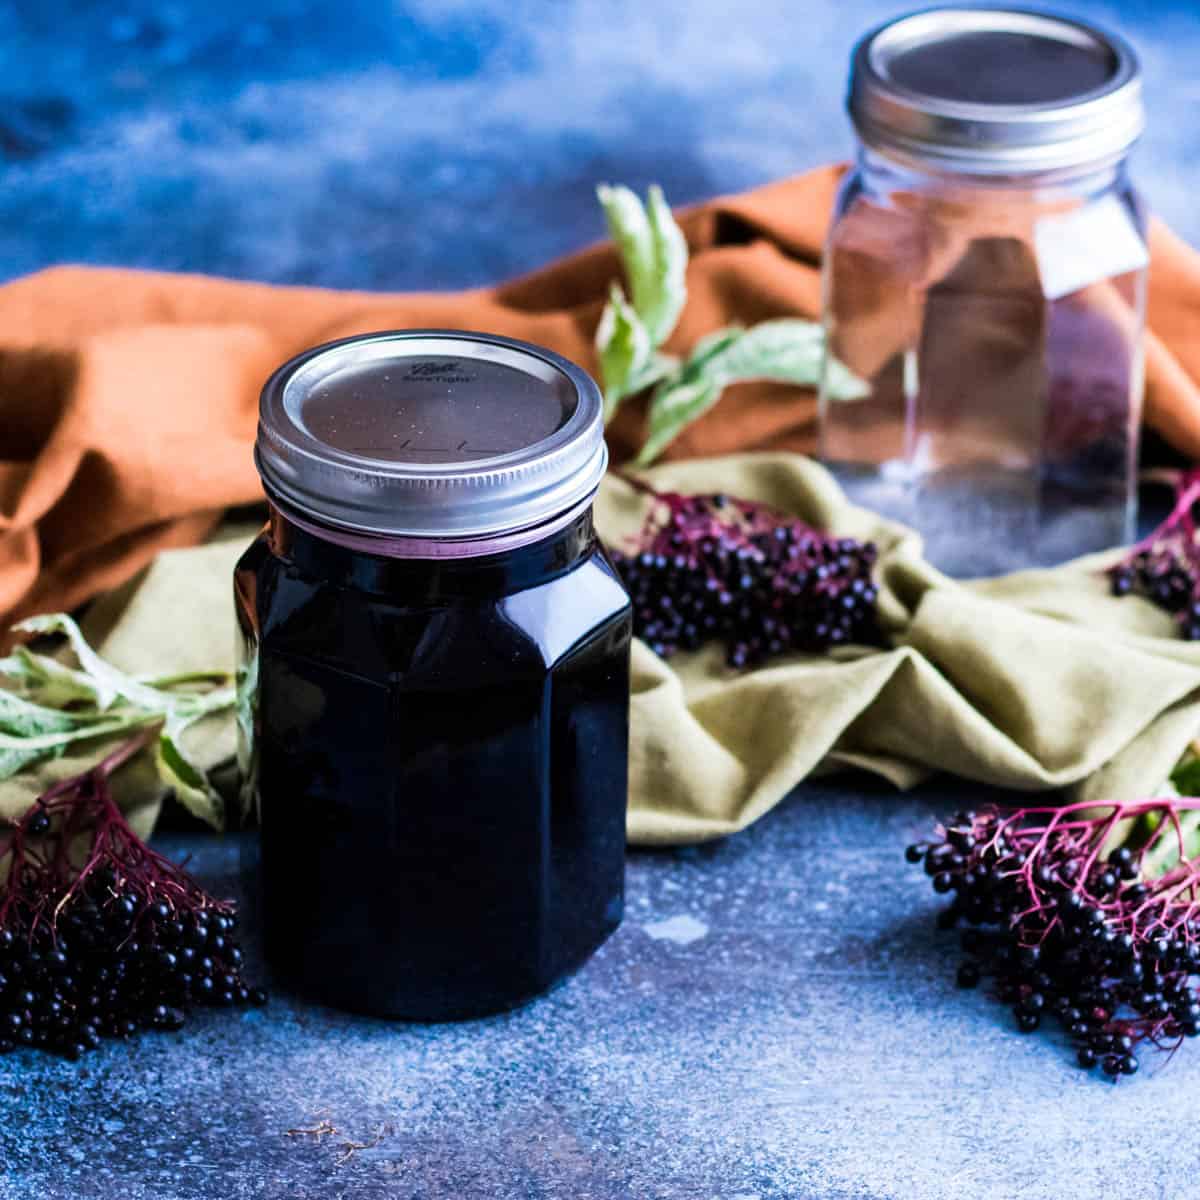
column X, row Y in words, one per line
column 436, row 666
column 985, row 276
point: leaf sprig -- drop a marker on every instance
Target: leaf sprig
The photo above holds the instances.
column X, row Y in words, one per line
column 48, row 706
column 632, row 329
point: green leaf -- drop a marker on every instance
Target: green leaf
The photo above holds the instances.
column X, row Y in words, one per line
column 47, row 680
column 674, row 406
column 109, row 682
column 172, row 681
column 654, row 254
column 19, row 751
column 188, row 781
column 841, row 383
column 54, row 740
column 1186, row 777
column 709, row 347
column 669, row 292
column 247, row 720
column 30, row 733
column 788, row 350
column 191, row 706
column 23, row 718
column 116, row 703
column 14, row 761
column 660, row 367
column 623, row 345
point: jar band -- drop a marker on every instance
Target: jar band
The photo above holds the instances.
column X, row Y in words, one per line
column 432, row 548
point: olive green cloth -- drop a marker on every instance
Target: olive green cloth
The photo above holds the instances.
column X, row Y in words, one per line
column 1035, row 680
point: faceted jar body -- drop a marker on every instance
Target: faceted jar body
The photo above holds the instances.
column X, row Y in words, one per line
column 439, row 759
column 998, row 326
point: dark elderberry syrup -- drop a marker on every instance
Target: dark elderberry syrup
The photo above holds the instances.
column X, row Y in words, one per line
column 435, row 675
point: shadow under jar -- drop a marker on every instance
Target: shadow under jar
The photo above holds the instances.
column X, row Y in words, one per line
column 435, row 675
column 985, row 276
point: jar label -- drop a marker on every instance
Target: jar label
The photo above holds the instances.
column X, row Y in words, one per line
column 1087, row 245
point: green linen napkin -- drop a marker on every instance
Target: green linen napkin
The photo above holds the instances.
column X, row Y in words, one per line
column 1037, row 680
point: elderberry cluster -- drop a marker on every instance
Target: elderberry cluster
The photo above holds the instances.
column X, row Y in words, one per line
column 1064, row 933
column 1166, row 580
column 1165, row 567
column 100, row 935
column 112, row 966
column 715, row 568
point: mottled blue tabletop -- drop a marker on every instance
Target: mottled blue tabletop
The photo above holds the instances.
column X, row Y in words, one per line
column 435, row 144
column 776, row 1019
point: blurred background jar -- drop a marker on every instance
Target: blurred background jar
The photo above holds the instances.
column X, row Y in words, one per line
column 985, row 276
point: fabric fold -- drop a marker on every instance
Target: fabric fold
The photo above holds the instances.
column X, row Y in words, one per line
column 1038, row 681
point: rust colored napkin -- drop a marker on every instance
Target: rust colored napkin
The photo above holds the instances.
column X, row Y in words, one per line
column 128, row 399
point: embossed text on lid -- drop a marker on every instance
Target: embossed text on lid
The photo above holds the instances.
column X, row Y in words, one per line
column 429, row 433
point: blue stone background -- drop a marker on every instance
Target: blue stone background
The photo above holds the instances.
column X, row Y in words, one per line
column 776, row 1019
column 441, row 143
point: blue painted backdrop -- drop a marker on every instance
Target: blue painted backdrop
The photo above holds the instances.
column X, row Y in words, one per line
column 437, row 143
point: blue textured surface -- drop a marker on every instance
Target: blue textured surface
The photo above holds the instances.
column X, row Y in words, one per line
column 808, row 1042
column 361, row 143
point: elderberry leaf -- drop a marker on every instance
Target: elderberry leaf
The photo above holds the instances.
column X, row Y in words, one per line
column 95, row 727
column 48, row 681
column 653, row 253
column 247, row 720
column 623, row 346
column 18, row 751
column 162, row 682
column 669, row 293
column 110, row 683
column 189, row 707
column 660, row 367
column 674, row 406
column 710, row 347
column 187, row 780
column 30, row 732
column 788, row 350
column 1186, row 777
column 14, row 761
column 23, row 717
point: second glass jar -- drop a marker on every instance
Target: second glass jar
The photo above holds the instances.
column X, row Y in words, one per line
column 985, row 276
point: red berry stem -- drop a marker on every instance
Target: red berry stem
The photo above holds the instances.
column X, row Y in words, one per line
column 100, row 935
column 1089, row 912
column 1164, row 567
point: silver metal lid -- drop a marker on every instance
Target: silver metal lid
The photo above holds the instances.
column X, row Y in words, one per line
column 992, row 91
column 430, row 434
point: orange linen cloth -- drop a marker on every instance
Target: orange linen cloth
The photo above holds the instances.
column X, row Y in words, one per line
column 128, row 399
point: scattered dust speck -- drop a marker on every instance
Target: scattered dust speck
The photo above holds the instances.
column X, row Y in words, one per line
column 682, row 930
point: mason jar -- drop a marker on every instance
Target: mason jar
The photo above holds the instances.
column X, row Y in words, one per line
column 435, row 678
column 985, row 277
